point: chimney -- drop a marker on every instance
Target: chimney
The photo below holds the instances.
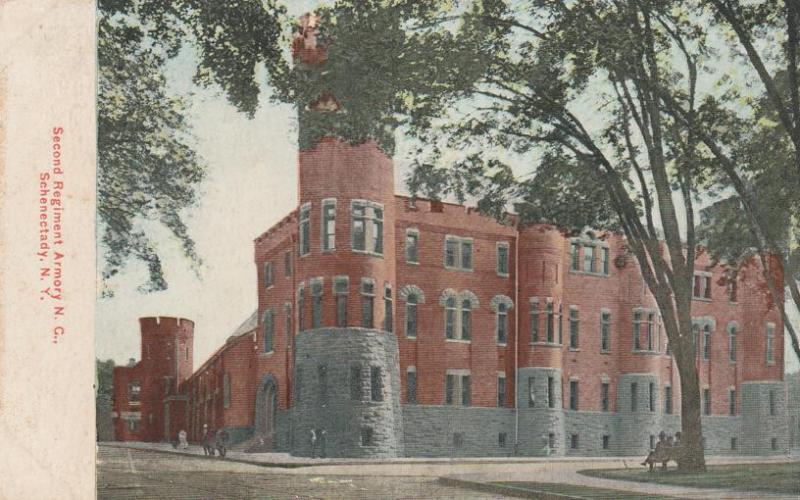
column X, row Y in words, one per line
column 304, row 44
column 131, row 361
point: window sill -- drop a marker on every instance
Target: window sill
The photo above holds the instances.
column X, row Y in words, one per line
column 605, row 351
column 646, row 352
column 546, row 344
column 589, row 273
column 327, row 250
column 266, row 354
column 459, row 341
column 701, row 299
column 462, row 269
column 366, row 252
column 503, row 275
column 502, row 344
column 574, row 349
column 410, row 338
column 412, row 263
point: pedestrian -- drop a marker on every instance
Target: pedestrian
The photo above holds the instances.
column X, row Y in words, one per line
column 313, row 443
column 183, row 442
column 221, row 442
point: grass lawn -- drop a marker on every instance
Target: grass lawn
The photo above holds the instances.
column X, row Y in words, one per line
column 575, row 491
column 773, row 478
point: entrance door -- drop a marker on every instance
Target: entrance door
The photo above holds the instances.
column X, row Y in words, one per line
column 270, row 413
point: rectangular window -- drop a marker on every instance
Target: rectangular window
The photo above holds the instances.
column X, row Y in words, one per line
column 651, row 396
column 604, row 264
column 604, row 398
column 458, row 439
column 458, row 253
column 702, row 286
column 367, row 303
column 732, row 334
column 652, row 441
column 301, row 301
column 773, row 443
column 322, row 380
column 559, row 317
column 366, row 436
column 668, row 400
column 501, row 439
column 287, row 320
column 573, row 441
column 502, row 324
column 356, row 383
column 502, row 259
column 287, row 263
column 388, row 317
column 772, row 404
column 637, row 330
column 449, row 389
column 531, row 392
column 466, row 320
column 551, row 397
column 770, row 343
column 269, row 275
column 634, row 396
column 304, row 233
column 269, row 330
column 575, row 259
column 134, row 392
column 316, row 303
column 328, row 224
column 574, row 328
column 732, row 402
column 367, row 227
column 411, row 316
column 733, row 443
column 605, row 331
column 733, row 291
column 707, row 401
column 706, row 342
column 549, row 322
column 450, row 318
column 457, row 389
column 501, row 390
column 573, row 394
column 650, row 331
column 534, row 321
column 341, row 287
column 412, row 246
column 411, row 387
column 588, row 259
column 376, row 383
column 606, row 442
column 551, row 442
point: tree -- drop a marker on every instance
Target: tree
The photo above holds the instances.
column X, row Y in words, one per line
column 104, row 394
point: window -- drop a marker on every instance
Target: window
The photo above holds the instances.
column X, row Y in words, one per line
column 328, row 224
column 458, row 253
column 558, row 324
column 376, row 383
column 134, row 392
column 269, row 330
column 457, row 323
column 606, row 441
column 303, row 239
column 388, row 317
column 733, row 443
column 551, row 442
column 733, row 291
column 551, row 396
column 731, row 402
column 450, row 318
column 588, row 260
column 502, row 323
column 287, row 321
column 322, row 380
column 501, row 390
column 226, row 390
column 643, row 330
column 651, row 395
column 604, row 257
column 650, row 331
column 367, row 303
column 301, row 301
column 604, row 398
column 770, row 343
column 773, row 443
column 549, row 321
column 573, row 441
column 411, row 385
column 652, row 441
column 634, row 396
column 575, row 260
column 732, row 334
column 574, row 327
column 316, row 303
column 605, row 331
column 366, row 436
column 458, row 439
column 501, row 439
column 534, row 320
column 269, row 275
column 367, row 227
column 133, row 424
column 287, row 263
column 356, row 383
column 573, row 394
column 668, row 399
column 772, row 404
column 637, row 330
column 341, row 288
column 702, row 286
column 466, row 319
column 706, row 341
column 502, row 259
column 706, row 401
column 412, row 246
column 457, row 388
column 531, row 392
column 411, row 316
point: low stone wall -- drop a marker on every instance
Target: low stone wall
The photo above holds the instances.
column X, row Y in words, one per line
column 454, row 431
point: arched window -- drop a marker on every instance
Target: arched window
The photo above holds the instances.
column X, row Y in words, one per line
column 466, row 319
column 502, row 324
column 269, row 330
column 733, row 331
column 411, row 316
column 450, row 318
column 707, row 341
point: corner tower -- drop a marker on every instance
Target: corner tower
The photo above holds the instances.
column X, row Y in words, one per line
column 346, row 367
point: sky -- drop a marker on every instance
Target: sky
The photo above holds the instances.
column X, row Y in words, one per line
column 251, row 184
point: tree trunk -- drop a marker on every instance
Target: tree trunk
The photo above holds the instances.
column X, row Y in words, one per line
column 693, row 457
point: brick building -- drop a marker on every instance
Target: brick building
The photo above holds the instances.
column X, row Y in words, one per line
column 409, row 327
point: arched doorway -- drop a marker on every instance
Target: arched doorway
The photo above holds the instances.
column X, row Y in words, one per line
column 267, row 411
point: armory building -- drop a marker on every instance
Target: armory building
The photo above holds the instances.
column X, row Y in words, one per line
column 409, row 327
